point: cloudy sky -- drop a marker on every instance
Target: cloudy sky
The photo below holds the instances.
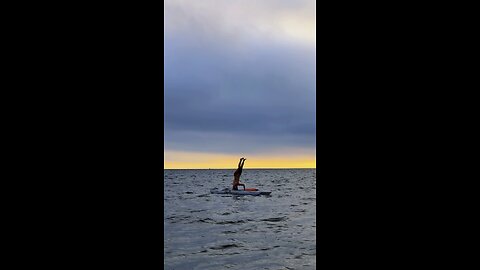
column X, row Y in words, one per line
column 239, row 82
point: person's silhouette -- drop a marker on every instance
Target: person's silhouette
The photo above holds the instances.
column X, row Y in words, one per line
column 236, row 175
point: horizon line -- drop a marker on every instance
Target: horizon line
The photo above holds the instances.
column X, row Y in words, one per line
column 231, row 168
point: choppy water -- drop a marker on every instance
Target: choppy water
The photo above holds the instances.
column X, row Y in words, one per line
column 215, row 231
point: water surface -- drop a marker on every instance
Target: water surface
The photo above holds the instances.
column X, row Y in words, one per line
column 216, row 231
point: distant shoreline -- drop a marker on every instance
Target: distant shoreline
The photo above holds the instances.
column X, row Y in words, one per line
column 243, row 168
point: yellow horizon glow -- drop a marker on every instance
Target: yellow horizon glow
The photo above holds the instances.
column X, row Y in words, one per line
column 194, row 160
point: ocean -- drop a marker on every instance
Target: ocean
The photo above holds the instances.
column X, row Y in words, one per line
column 219, row 231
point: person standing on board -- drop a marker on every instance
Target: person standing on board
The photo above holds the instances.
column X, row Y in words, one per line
column 236, row 175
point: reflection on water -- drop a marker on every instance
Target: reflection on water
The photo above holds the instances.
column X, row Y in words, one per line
column 216, row 231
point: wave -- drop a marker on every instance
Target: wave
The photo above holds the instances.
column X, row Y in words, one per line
column 275, row 219
column 225, row 246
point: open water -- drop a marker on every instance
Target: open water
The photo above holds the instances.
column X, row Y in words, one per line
column 217, row 231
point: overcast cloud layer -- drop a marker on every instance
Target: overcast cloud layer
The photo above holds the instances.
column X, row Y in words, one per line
column 239, row 77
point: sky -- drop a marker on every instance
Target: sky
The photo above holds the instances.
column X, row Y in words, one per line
column 240, row 81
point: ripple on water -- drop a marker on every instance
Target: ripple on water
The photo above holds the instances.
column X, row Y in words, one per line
column 223, row 222
column 202, row 220
column 226, row 246
column 274, row 219
column 197, row 211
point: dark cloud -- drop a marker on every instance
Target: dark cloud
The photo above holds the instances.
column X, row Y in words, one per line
column 223, row 97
